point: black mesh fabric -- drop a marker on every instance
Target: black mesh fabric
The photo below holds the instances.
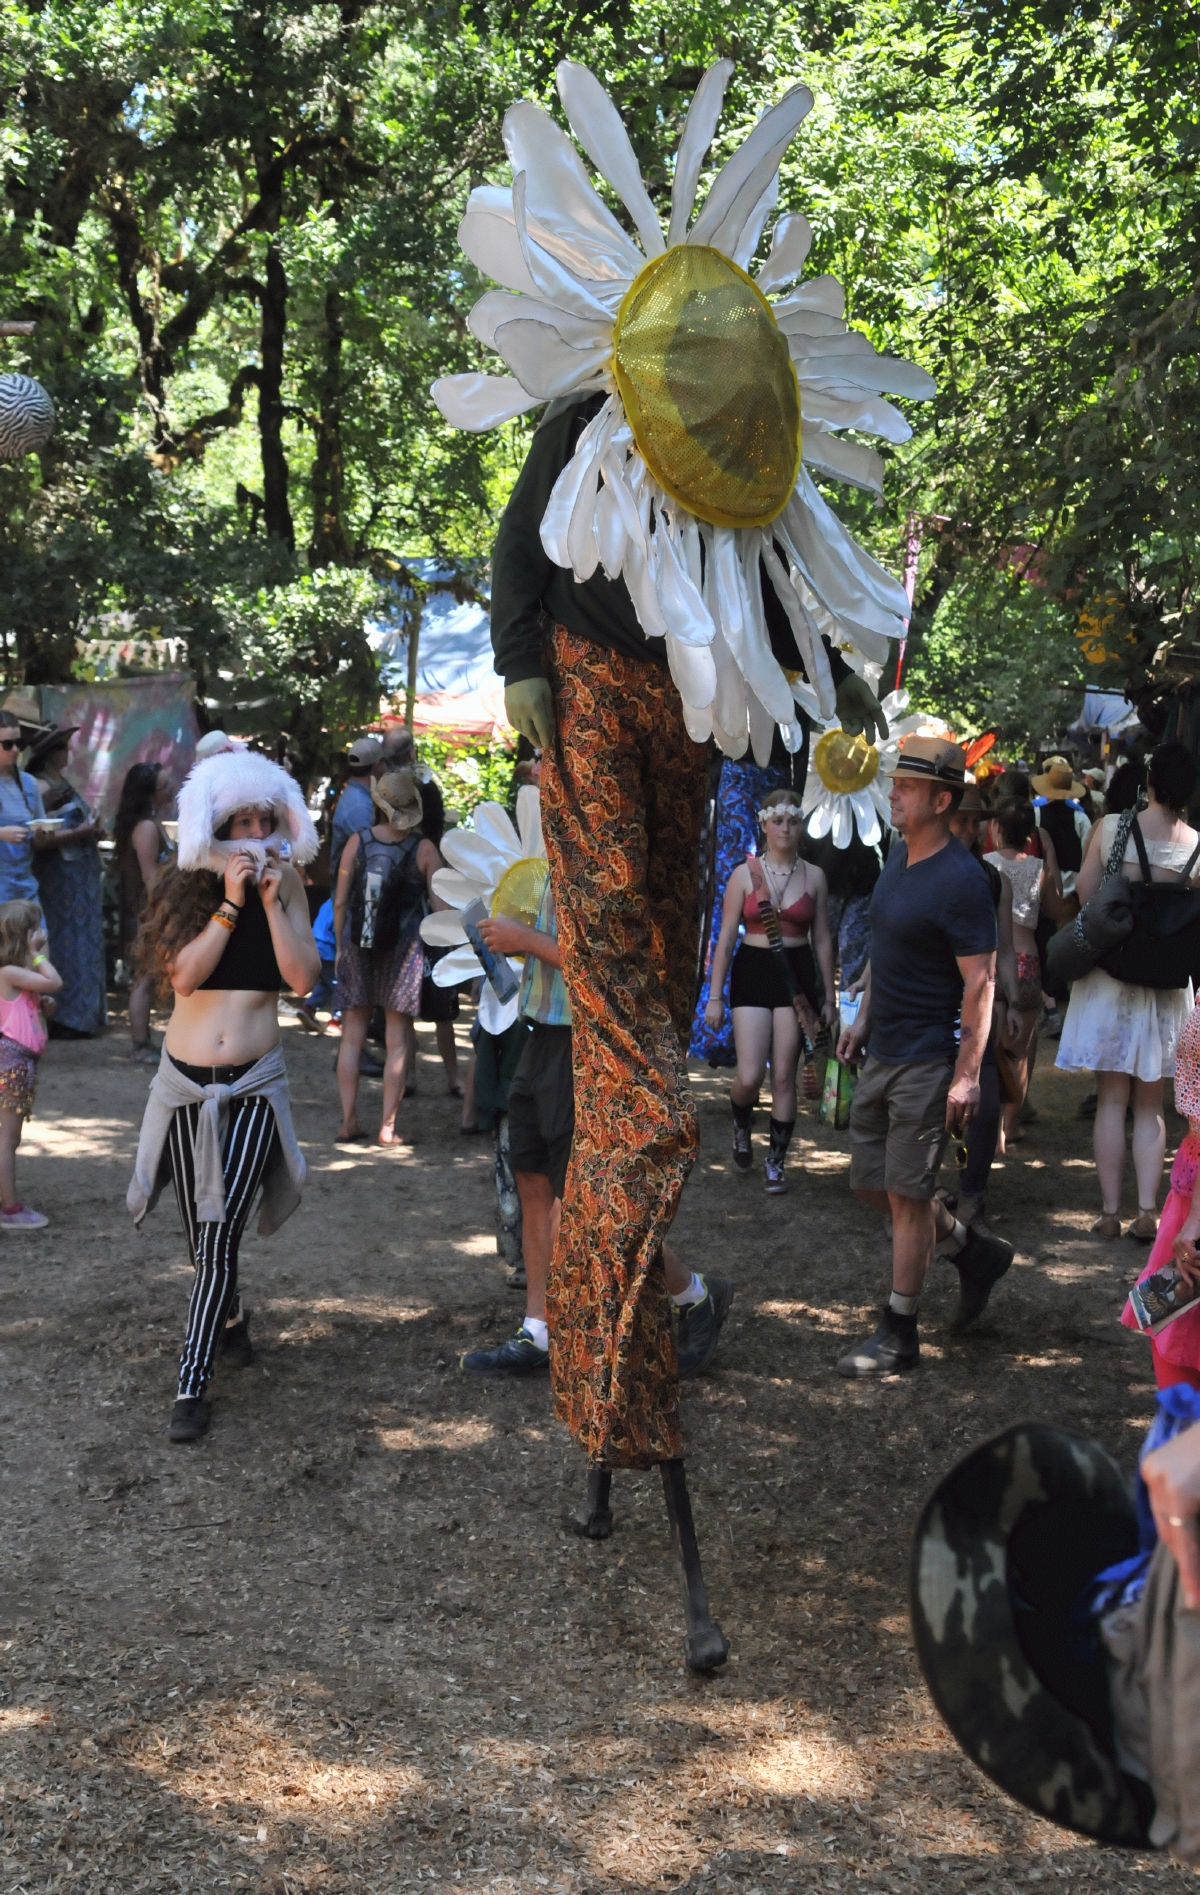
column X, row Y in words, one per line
column 708, row 387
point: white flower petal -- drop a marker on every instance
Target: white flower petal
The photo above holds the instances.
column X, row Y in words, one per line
column 546, row 365
column 747, row 243
column 791, row 242
column 844, row 406
column 793, row 736
column 730, row 746
column 865, row 814
column 577, row 481
column 611, row 535
column 695, row 139
column 462, row 964
column 845, row 460
column 697, row 723
column 740, row 183
column 843, row 823
column 443, row 929
column 805, row 696
column 488, row 235
column 474, row 855
column 821, row 295
column 762, row 731
column 764, row 674
column 529, row 820
column 683, row 606
column 855, row 588
column 458, row 889
column 493, row 822
column 805, row 329
column 596, row 123
column 821, row 820
column 694, row 673
column 884, row 374
column 477, row 402
column 813, row 655
column 553, row 280
column 495, row 1017
column 500, row 306
column 562, row 198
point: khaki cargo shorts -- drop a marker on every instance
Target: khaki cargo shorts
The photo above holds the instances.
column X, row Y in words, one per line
column 898, row 1126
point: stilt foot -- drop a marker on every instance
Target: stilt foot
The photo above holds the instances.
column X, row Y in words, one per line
column 593, row 1520
column 705, row 1647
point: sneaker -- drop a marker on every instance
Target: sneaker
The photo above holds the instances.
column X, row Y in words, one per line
column 190, row 1418
column 893, row 1349
column 308, row 1019
column 743, row 1150
column 520, row 1355
column 774, row 1178
column 235, row 1345
column 22, row 1217
column 700, row 1326
column 980, row 1263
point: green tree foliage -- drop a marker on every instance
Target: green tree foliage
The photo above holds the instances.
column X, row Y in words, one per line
column 235, row 227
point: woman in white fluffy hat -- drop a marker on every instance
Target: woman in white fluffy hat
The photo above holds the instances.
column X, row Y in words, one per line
column 225, row 929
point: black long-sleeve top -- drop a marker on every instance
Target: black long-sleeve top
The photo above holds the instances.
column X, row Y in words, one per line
column 530, row 592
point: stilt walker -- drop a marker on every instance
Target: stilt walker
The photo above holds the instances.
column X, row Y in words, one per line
column 635, row 594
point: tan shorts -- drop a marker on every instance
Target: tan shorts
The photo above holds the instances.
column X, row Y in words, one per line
column 898, row 1126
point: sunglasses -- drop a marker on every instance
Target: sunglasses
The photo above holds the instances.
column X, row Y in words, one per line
column 10, row 743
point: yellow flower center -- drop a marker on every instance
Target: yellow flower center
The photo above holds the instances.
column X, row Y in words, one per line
column 519, row 892
column 845, row 764
column 708, row 386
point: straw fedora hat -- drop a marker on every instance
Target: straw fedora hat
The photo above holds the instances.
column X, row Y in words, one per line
column 936, row 759
column 1058, row 781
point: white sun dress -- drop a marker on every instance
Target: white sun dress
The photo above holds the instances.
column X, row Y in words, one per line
column 1113, row 1026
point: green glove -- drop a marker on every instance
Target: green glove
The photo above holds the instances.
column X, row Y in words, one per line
column 859, row 710
column 529, row 708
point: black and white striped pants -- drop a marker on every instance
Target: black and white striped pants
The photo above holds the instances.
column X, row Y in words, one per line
column 245, row 1151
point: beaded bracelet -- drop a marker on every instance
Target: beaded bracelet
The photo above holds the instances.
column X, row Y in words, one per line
column 223, row 921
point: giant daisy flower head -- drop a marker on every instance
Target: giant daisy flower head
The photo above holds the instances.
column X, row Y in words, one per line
column 723, row 393
column 504, row 868
column 847, row 779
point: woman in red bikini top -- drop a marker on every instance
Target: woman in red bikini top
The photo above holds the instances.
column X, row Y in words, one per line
column 765, row 1027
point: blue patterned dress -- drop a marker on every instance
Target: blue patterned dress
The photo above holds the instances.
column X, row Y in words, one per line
column 68, row 880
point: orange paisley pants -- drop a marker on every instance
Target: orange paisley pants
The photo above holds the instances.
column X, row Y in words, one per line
column 622, row 797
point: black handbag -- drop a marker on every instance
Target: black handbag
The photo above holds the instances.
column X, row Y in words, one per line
column 1101, row 924
column 1162, row 949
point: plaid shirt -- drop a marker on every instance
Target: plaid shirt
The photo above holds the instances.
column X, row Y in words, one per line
column 543, row 990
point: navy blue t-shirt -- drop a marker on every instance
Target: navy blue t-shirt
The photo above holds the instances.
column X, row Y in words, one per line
column 922, row 919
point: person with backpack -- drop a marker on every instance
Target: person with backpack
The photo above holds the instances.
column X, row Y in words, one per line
column 383, row 885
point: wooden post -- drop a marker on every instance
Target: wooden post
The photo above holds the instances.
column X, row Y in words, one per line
column 414, row 655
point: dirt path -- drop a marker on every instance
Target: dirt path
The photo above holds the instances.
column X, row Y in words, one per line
column 345, row 1643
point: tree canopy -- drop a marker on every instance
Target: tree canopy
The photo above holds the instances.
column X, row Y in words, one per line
column 235, row 227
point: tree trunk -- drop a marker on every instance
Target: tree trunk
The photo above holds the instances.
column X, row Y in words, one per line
column 277, row 516
column 330, row 546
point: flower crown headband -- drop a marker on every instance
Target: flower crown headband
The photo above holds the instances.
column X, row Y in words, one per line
column 778, row 809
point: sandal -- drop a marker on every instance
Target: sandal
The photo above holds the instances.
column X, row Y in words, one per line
column 1144, row 1228
column 1106, row 1225
column 352, row 1138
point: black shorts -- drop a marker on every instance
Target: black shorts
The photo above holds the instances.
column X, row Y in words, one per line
column 757, row 978
column 541, row 1106
column 437, row 1003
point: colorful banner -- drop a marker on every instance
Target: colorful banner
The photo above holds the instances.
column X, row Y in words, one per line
column 131, row 720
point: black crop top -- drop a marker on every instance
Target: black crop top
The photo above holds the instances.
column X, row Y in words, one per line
column 248, row 962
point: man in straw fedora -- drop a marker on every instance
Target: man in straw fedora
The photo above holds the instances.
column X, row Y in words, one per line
column 932, row 971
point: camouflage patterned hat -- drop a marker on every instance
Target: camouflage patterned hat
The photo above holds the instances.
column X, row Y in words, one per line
column 1003, row 1547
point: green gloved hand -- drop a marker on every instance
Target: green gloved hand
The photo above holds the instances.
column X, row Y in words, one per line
column 529, row 708
column 859, row 710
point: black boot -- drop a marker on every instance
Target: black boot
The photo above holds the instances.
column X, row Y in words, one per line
column 235, row 1346
column 743, row 1122
column 981, row 1262
column 893, row 1348
column 781, row 1138
column 190, row 1418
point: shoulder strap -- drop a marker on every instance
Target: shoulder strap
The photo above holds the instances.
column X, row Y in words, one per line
column 758, row 883
column 1185, row 873
column 1116, row 856
column 1140, row 845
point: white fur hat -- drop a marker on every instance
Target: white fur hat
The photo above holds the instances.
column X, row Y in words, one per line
column 240, row 779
